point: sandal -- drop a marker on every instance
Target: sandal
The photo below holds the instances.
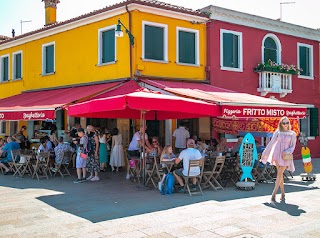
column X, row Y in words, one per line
column 273, row 198
column 283, row 197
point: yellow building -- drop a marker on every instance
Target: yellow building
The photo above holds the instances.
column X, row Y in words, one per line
column 169, row 42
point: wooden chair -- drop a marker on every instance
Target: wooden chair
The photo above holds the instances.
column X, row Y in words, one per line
column 231, row 171
column 194, row 164
column 42, row 165
column 151, row 172
column 210, row 177
column 62, row 167
column 17, row 166
column 134, row 169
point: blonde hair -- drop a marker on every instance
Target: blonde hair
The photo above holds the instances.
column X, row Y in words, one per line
column 280, row 127
column 165, row 151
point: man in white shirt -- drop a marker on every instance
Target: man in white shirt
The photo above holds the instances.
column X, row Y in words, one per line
column 186, row 155
column 181, row 135
column 136, row 143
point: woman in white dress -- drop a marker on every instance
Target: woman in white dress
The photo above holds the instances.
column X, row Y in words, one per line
column 117, row 154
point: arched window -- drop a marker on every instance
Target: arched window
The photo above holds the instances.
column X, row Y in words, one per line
column 271, row 49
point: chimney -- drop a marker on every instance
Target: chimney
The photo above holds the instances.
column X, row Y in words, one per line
column 13, row 33
column 51, row 11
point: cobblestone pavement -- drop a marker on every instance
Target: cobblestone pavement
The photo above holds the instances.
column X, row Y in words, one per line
column 114, row 207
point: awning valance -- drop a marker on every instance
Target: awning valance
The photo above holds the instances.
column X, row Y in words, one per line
column 41, row 105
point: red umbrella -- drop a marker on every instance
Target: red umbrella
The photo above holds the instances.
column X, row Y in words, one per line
column 155, row 105
column 144, row 104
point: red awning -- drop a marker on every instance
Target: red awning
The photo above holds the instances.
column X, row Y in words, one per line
column 233, row 104
column 41, row 105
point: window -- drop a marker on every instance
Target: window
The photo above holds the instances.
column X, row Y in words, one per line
column 48, row 58
column 17, row 65
column 4, row 68
column 3, row 129
column 155, row 41
column 305, row 60
column 187, row 46
column 231, row 50
column 107, row 45
column 310, row 124
column 271, row 48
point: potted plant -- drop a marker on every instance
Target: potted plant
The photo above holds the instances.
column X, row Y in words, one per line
column 279, row 68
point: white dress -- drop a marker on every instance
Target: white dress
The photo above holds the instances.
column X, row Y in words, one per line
column 117, row 154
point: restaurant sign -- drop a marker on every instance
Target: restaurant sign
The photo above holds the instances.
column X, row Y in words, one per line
column 258, row 112
column 27, row 115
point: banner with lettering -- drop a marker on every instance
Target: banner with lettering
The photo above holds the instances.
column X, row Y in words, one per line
column 262, row 112
column 233, row 126
column 27, row 115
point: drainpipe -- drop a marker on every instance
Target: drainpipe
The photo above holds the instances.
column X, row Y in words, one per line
column 129, row 13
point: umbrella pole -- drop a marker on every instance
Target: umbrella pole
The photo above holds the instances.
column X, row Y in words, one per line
column 143, row 123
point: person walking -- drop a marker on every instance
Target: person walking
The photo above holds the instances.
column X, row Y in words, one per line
column 93, row 152
column 80, row 161
column 117, row 154
column 283, row 142
column 103, row 152
column 181, row 135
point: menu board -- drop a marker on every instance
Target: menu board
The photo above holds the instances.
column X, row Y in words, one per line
column 247, row 154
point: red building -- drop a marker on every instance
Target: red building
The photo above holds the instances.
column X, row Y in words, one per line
column 238, row 42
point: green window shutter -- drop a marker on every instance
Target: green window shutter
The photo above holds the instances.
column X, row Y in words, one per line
column 187, row 47
column 314, row 122
column 17, row 62
column 304, row 60
column 49, row 64
column 270, row 50
column 5, row 69
column 108, row 46
column 153, row 43
column 230, row 50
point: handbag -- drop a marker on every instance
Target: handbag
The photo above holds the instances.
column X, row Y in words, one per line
column 287, row 157
column 83, row 156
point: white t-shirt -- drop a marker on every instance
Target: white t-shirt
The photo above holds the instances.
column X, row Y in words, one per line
column 134, row 144
column 190, row 154
column 181, row 135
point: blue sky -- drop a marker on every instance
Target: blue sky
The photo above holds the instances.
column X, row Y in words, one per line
column 302, row 12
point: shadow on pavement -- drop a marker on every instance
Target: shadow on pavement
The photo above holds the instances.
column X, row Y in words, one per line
column 291, row 209
column 114, row 197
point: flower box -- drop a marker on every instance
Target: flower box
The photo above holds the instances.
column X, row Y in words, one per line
column 271, row 66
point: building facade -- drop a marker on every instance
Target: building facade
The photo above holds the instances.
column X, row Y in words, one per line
column 159, row 40
column 239, row 42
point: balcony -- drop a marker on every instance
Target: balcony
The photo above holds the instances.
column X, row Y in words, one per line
column 274, row 82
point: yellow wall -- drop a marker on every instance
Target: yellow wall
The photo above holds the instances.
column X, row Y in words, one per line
column 170, row 69
column 76, row 56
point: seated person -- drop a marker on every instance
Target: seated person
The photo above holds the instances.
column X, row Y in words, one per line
column 260, row 148
column 186, row 155
column 222, row 146
column 135, row 145
column 202, row 147
column 167, row 155
column 59, row 151
column 237, row 146
column 43, row 145
column 156, row 148
column 11, row 145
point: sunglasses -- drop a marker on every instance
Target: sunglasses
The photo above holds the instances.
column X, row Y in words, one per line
column 154, row 141
column 285, row 123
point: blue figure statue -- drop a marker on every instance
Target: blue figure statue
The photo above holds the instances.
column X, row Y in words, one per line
column 248, row 156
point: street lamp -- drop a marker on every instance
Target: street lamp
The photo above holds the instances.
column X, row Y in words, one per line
column 119, row 32
column 281, row 3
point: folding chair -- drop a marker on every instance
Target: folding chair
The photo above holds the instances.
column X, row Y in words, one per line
column 194, row 164
column 134, row 170
column 42, row 165
column 151, row 171
column 231, row 171
column 210, row 177
column 265, row 172
column 17, row 165
column 62, row 167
